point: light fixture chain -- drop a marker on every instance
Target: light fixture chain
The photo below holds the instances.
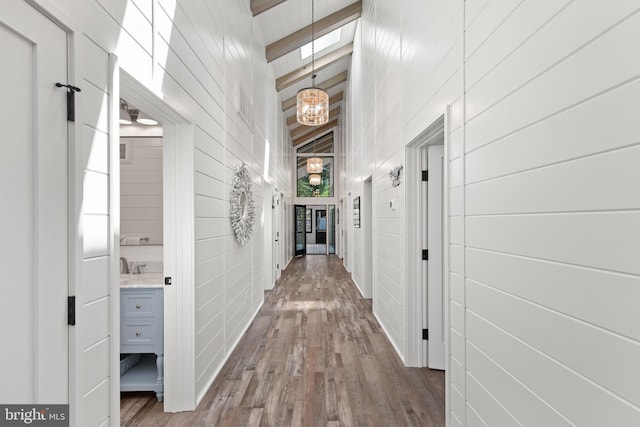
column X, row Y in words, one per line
column 314, row 142
column 313, row 52
column 312, row 103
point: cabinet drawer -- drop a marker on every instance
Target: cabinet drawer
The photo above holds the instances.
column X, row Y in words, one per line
column 140, row 304
column 141, row 337
column 138, row 333
column 141, row 320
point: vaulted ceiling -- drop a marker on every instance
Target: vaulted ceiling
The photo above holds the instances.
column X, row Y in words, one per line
column 286, row 26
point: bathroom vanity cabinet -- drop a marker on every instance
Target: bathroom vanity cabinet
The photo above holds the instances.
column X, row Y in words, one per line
column 141, row 331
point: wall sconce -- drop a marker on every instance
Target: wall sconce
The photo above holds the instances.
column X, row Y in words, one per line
column 125, row 118
column 394, row 174
column 130, row 115
column 144, row 119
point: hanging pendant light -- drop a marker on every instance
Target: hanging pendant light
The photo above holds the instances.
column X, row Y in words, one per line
column 314, row 165
column 312, row 102
column 313, row 106
column 315, row 179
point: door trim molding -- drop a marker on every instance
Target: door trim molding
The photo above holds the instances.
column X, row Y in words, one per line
column 114, row 225
column 179, row 238
column 295, row 231
column 415, row 294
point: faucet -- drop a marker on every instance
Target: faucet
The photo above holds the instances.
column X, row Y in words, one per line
column 137, row 268
column 124, row 265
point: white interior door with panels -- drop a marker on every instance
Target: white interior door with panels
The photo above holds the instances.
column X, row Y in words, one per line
column 276, row 233
column 435, row 288
column 34, row 188
column 431, row 230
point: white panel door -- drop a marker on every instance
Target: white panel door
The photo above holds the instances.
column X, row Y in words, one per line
column 435, row 292
column 275, row 233
column 33, row 189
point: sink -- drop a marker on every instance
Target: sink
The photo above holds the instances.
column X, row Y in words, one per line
column 141, row 280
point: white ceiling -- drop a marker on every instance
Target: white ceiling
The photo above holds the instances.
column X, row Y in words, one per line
column 291, row 15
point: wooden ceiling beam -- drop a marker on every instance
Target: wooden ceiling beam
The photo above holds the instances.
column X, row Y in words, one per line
column 291, row 120
column 303, row 36
column 316, row 131
column 326, row 85
column 259, row 6
column 295, row 76
column 302, row 129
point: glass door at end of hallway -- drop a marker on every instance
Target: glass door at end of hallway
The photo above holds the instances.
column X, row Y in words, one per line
column 301, row 235
column 315, row 228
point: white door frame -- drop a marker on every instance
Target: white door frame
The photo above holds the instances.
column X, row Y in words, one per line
column 286, row 232
column 367, row 237
column 279, row 234
column 276, row 235
column 114, row 225
column 269, row 237
column 178, row 236
column 414, row 225
column 341, row 217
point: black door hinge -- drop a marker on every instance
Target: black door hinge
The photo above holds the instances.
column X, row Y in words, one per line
column 425, row 255
column 71, row 310
column 71, row 100
column 167, row 281
column 425, row 334
column 425, row 175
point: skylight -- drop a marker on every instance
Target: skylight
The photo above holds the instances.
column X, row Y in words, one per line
column 321, row 43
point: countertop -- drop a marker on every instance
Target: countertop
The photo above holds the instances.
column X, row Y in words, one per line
column 142, row 280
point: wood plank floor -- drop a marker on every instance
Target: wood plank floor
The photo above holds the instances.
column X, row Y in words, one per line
column 314, row 356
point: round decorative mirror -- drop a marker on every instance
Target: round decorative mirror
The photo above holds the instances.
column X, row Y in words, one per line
column 242, row 207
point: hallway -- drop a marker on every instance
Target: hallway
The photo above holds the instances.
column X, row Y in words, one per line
column 314, row 356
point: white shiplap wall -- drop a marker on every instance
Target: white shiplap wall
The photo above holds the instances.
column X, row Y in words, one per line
column 93, row 299
column 543, row 148
column 141, row 190
column 193, row 55
column 408, row 62
column 356, row 157
column 550, row 155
